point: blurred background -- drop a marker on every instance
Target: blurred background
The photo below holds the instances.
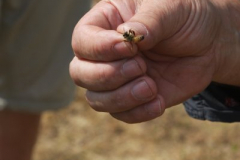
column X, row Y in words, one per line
column 79, row 133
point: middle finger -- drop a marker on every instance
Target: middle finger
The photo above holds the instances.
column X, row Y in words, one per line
column 105, row 76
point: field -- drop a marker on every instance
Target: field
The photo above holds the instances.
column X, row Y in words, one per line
column 79, row 133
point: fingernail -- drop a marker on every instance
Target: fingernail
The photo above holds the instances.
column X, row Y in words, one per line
column 138, row 27
column 153, row 107
column 131, row 69
column 142, row 91
column 119, row 46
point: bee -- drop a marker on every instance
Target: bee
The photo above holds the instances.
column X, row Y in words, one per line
column 131, row 37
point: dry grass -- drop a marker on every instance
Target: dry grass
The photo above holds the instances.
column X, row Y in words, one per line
column 79, row 133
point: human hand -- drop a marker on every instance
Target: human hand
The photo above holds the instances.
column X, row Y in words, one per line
column 180, row 55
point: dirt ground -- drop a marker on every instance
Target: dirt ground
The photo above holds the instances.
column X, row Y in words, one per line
column 79, row 133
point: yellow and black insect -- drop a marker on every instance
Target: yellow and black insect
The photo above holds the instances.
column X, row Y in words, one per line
column 130, row 36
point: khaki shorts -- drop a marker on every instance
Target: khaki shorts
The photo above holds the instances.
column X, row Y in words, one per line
column 35, row 52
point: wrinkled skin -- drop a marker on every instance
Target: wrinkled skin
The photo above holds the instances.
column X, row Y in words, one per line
column 184, row 49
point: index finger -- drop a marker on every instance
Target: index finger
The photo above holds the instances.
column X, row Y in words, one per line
column 95, row 38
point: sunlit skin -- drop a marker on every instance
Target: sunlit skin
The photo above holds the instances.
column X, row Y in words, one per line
column 187, row 44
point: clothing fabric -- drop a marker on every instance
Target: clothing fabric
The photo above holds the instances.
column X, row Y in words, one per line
column 218, row 102
column 35, row 52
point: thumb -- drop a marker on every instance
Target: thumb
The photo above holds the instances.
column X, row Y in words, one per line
column 156, row 20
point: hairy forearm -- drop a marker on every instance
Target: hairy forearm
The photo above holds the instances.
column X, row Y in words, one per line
column 228, row 44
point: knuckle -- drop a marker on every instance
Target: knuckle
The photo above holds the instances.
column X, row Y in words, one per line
column 75, row 41
column 73, row 71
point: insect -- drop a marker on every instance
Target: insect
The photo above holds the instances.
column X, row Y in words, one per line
column 131, row 37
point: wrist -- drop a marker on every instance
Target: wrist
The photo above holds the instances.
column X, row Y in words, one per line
column 228, row 44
